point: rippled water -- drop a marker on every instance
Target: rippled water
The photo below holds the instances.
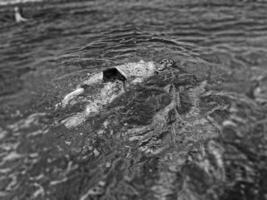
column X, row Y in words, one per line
column 64, row 41
column 223, row 44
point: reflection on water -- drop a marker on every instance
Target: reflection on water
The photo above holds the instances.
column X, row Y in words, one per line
column 194, row 133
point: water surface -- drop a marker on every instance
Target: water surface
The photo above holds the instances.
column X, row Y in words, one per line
column 221, row 47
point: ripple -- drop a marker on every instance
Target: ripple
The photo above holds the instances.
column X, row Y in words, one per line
column 195, row 131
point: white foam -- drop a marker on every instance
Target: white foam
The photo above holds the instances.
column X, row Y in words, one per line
column 106, row 95
column 95, row 78
column 139, row 69
column 75, row 120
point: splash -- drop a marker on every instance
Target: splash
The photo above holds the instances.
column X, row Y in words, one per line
column 133, row 73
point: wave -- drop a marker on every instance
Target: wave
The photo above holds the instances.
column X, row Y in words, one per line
column 8, row 2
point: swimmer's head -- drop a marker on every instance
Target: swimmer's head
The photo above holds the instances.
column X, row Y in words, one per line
column 16, row 9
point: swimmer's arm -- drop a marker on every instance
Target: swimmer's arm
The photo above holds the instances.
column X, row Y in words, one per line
column 71, row 95
column 96, row 78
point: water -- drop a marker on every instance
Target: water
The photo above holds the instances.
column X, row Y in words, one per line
column 141, row 147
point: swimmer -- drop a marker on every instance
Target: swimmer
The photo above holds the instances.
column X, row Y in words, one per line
column 18, row 16
column 130, row 72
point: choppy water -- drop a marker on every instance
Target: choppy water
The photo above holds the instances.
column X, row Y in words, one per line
column 215, row 149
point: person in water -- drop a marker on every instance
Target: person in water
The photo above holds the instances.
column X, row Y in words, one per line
column 130, row 72
column 18, row 16
column 114, row 80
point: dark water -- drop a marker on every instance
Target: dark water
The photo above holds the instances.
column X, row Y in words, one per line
column 215, row 150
